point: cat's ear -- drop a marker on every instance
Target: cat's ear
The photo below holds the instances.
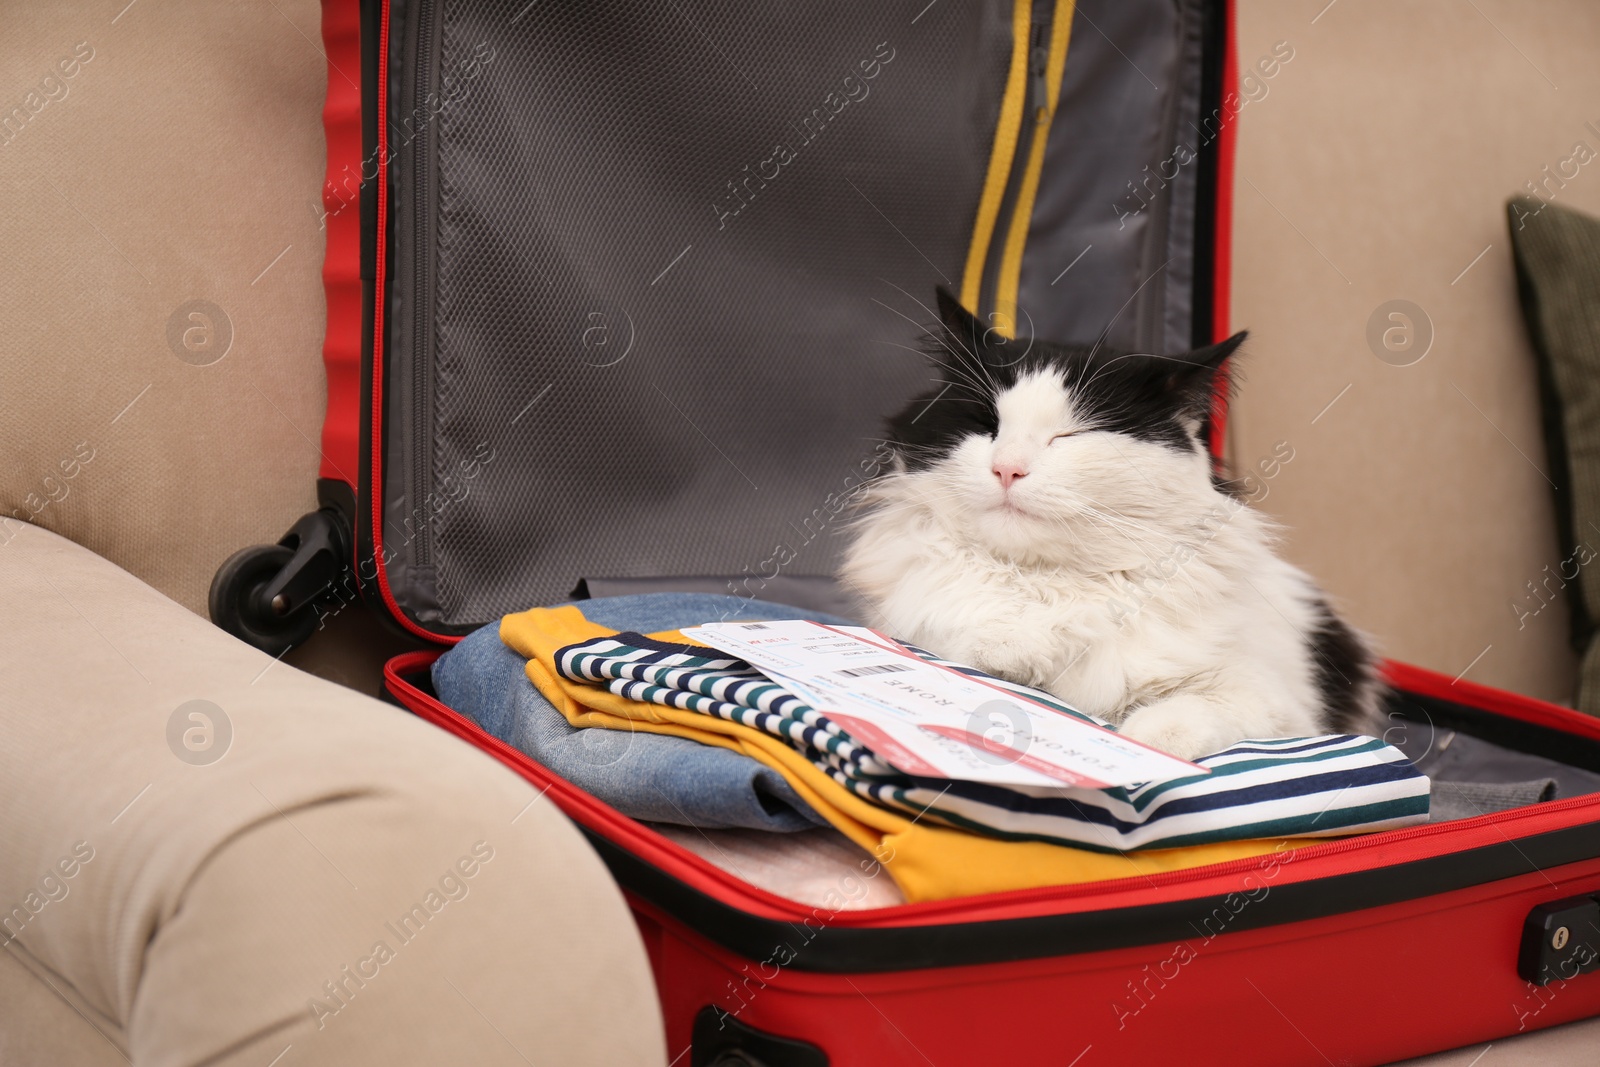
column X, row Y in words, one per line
column 1193, row 375
column 968, row 334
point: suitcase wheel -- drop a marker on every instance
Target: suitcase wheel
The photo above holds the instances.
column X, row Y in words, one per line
column 239, row 605
column 266, row 595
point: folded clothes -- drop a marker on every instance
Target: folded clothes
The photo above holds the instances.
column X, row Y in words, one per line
column 647, row 776
column 1299, row 787
column 926, row 861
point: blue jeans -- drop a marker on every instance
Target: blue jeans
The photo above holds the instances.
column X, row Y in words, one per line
column 647, row 776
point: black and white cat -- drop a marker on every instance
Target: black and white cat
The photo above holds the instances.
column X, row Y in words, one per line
column 1052, row 518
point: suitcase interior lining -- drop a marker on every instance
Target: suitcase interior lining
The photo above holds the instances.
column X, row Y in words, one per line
column 626, row 335
column 1504, row 749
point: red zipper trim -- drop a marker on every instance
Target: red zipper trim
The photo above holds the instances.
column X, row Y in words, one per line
column 1511, row 705
column 1222, row 239
column 1342, row 856
column 381, row 288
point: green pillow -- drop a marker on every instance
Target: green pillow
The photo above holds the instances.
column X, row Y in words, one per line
column 1557, row 254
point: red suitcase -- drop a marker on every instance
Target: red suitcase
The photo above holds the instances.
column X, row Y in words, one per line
column 1354, row 951
column 1358, row 951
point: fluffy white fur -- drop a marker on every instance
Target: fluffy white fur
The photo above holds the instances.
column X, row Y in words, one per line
column 1111, row 573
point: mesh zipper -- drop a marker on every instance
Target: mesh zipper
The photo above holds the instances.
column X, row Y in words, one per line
column 422, row 304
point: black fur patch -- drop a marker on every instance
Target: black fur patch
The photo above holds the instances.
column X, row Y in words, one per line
column 1150, row 397
column 1344, row 671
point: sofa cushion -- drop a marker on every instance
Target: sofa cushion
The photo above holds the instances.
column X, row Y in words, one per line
column 202, row 850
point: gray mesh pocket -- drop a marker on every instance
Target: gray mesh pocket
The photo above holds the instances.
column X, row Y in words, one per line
column 660, row 271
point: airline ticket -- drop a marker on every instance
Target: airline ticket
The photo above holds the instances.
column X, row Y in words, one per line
column 927, row 720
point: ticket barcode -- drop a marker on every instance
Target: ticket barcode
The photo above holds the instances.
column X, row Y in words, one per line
column 880, row 668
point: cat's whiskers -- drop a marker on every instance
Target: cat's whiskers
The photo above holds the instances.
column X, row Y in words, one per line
column 908, row 492
column 983, row 386
column 903, row 493
column 938, row 334
column 986, row 384
column 1138, row 534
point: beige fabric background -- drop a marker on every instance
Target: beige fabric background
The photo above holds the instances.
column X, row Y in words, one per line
column 1376, row 168
column 184, row 163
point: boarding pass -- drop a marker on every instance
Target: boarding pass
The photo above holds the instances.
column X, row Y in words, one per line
column 927, row 720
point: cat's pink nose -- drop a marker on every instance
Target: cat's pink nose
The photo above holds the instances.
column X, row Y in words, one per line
column 1009, row 472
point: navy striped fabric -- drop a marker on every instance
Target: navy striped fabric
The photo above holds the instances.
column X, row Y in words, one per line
column 1296, row 787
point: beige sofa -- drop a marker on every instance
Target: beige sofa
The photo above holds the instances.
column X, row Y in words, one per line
column 181, row 161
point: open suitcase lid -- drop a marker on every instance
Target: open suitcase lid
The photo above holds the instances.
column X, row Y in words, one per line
column 649, row 283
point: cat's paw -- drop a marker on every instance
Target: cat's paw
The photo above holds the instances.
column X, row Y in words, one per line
column 1093, row 681
column 1020, row 658
column 1184, row 726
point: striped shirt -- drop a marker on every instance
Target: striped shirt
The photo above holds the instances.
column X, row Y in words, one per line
column 1298, row 787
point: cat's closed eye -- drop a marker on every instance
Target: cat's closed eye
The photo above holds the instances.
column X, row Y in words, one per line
column 1059, row 436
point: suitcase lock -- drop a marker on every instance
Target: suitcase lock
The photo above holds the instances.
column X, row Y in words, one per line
column 1560, row 940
